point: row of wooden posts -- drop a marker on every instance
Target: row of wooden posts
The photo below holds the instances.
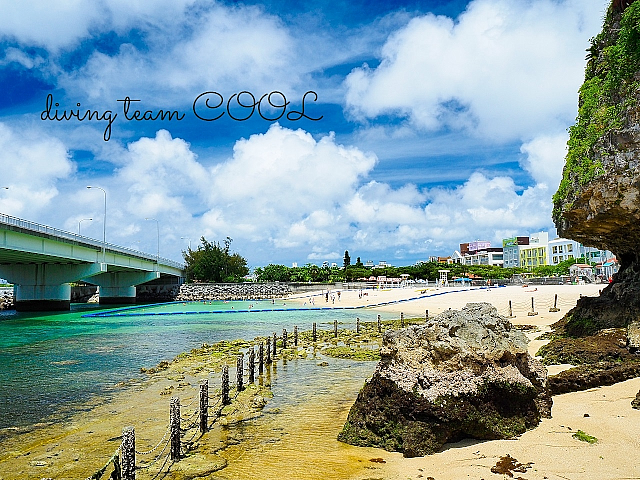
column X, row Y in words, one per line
column 533, row 312
column 266, row 354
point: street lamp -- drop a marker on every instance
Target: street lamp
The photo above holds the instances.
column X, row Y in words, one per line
column 104, row 223
column 84, row 219
column 187, row 238
column 158, row 250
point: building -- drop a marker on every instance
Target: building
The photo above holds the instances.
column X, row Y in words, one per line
column 511, row 250
column 456, row 257
column 562, row 249
column 536, row 253
column 486, row 256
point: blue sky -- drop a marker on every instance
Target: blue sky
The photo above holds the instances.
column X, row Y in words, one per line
column 438, row 122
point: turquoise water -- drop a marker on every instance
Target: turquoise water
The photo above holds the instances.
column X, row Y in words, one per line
column 50, row 363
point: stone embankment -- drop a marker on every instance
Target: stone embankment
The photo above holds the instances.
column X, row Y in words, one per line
column 6, row 299
column 230, row 291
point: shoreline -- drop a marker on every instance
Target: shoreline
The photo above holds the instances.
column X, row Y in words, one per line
column 141, row 403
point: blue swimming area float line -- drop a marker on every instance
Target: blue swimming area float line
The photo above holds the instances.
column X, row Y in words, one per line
column 131, row 311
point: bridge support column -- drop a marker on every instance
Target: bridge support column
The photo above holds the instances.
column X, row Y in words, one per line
column 119, row 287
column 45, row 287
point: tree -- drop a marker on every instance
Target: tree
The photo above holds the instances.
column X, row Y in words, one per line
column 347, row 259
column 213, row 263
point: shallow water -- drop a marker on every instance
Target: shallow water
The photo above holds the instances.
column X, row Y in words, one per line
column 296, row 436
column 50, row 363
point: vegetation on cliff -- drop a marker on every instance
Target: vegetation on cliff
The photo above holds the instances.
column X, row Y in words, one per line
column 609, row 90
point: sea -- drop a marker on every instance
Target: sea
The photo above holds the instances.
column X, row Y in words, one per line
column 53, row 363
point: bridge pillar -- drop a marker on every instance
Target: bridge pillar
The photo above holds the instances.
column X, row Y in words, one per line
column 45, row 286
column 119, row 287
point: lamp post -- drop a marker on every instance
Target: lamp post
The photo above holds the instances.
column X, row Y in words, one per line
column 187, row 238
column 158, row 249
column 104, row 223
column 84, row 219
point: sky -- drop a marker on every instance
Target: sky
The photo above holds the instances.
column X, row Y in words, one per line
column 394, row 130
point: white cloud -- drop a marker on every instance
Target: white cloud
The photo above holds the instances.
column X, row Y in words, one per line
column 545, row 158
column 221, row 48
column 503, row 70
column 158, row 173
column 31, row 166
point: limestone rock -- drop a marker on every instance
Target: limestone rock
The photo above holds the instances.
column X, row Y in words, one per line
column 598, row 201
column 633, row 336
column 462, row 374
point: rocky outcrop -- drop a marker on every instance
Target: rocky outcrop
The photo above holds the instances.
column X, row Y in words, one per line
column 598, row 201
column 462, row 374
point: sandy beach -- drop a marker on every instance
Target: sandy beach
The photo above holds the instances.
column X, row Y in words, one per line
column 299, row 437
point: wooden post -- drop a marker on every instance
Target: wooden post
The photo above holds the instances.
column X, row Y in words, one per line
column 555, row 305
column 379, row 325
column 239, row 372
column 295, row 335
column 225, row 385
column 314, row 334
column 357, row 324
column 335, row 328
column 204, row 406
column 511, row 315
column 128, row 454
column 401, row 320
column 174, row 422
column 284, row 338
column 275, row 337
column 261, row 358
column 252, row 365
column 426, row 315
column 533, row 310
column 268, row 360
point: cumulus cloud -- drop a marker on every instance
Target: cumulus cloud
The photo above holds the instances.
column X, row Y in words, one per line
column 288, row 184
column 289, row 191
column 503, row 69
column 31, row 166
column 220, row 49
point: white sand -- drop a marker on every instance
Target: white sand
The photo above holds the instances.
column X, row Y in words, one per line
column 550, row 447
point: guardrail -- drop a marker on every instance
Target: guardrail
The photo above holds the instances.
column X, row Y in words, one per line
column 61, row 234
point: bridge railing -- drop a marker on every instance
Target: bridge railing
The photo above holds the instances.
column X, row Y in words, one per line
column 55, row 232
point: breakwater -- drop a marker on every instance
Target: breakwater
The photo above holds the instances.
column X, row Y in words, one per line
column 6, row 298
column 231, row 291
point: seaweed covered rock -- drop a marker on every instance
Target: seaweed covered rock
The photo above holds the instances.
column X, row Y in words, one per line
column 463, row 374
column 598, row 200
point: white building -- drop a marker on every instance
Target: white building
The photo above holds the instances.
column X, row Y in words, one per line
column 561, row 249
column 489, row 256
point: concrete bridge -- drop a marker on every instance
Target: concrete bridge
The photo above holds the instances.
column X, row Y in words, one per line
column 42, row 261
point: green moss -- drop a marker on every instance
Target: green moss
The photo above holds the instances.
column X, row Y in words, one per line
column 584, row 437
column 353, row 353
column 608, row 91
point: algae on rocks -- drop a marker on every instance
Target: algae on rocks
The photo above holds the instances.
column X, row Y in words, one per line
column 598, row 200
column 462, row 374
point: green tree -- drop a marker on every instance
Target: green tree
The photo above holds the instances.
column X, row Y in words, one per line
column 347, row 259
column 211, row 262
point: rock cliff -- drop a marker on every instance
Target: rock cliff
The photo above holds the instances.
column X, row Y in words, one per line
column 462, row 374
column 598, row 200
